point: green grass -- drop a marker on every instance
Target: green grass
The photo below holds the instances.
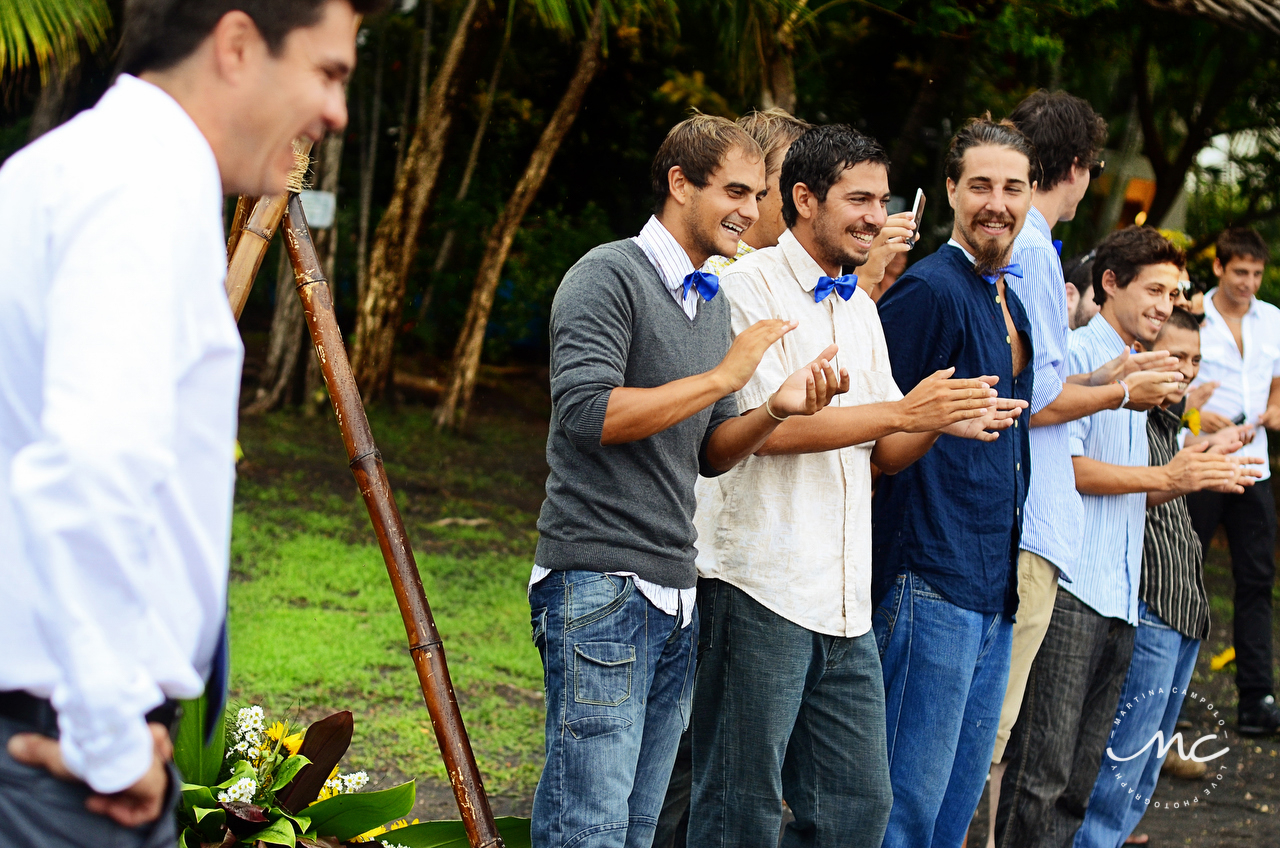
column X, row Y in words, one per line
column 315, row 626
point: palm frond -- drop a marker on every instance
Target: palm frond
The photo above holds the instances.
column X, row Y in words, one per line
column 1246, row 13
column 47, row 32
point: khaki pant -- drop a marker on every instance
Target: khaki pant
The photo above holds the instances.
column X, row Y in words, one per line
column 1037, row 589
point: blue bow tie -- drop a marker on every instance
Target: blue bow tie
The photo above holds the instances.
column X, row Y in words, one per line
column 843, row 286
column 1057, row 245
column 707, row 284
column 1013, row 269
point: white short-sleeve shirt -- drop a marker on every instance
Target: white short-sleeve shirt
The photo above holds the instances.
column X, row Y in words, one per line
column 794, row 532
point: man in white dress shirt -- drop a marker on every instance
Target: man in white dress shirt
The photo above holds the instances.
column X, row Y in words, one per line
column 119, row 377
column 1240, row 343
column 789, row 697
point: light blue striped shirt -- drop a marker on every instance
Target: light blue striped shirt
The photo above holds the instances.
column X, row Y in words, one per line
column 1109, row 567
column 672, row 262
column 1053, row 514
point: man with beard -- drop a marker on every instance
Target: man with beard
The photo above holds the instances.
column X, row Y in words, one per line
column 1081, row 307
column 945, row 532
column 1075, row 681
column 1068, row 135
column 642, row 366
column 789, row 699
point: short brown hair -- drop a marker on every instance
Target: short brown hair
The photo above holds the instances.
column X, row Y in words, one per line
column 1065, row 130
column 983, row 131
column 1241, row 243
column 698, row 145
column 159, row 34
column 774, row 130
column 1126, row 252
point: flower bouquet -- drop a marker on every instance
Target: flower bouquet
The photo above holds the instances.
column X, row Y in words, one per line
column 277, row 785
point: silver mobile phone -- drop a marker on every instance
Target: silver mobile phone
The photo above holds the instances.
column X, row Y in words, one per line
column 917, row 208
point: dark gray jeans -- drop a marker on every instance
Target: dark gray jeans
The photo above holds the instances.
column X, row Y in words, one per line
column 778, row 709
column 39, row 811
column 1061, row 734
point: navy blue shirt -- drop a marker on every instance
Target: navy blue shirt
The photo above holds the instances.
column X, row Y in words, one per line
column 954, row 516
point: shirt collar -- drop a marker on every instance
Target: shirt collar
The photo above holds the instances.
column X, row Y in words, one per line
column 1106, row 333
column 1211, row 309
column 1037, row 220
column 803, row 266
column 666, row 254
column 969, row 257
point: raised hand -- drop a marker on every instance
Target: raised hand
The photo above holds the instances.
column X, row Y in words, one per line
column 810, row 388
column 1237, row 434
column 1200, row 395
column 985, row 429
column 938, row 401
column 1247, row 470
column 1149, row 389
column 1130, row 363
column 888, row 243
column 1270, row 418
column 1196, row 467
column 748, row 349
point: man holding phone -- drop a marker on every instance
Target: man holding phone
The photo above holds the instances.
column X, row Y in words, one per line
column 1240, row 341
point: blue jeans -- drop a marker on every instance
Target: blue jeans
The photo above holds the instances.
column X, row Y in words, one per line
column 783, row 711
column 1159, row 673
column 618, row 674
column 945, row 671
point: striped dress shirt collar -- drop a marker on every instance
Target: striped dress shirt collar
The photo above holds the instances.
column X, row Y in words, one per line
column 672, row 262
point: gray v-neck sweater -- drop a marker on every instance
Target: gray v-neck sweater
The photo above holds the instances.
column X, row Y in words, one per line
column 625, row 507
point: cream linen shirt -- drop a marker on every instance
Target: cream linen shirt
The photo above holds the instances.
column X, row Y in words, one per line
column 794, row 532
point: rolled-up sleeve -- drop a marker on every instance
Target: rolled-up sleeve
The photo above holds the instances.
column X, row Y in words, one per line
column 591, row 320
column 1045, row 302
column 86, row 488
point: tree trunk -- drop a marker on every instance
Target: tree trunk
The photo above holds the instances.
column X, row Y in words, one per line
column 57, row 99
column 453, row 407
column 782, row 81
column 368, row 165
column 396, row 241
column 922, row 107
column 284, row 345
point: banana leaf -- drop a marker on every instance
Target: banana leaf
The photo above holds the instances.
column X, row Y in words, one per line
column 452, row 834
column 198, row 763
column 345, row 816
column 323, row 745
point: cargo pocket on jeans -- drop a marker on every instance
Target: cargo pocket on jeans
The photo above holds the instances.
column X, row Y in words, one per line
column 601, row 687
column 602, row 672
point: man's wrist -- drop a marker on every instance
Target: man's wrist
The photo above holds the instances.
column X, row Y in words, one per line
column 1124, row 401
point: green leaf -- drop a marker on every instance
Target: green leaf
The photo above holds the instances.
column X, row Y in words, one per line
column 47, row 32
column 323, row 744
column 290, row 768
column 452, row 834
column 201, row 812
column 198, row 763
column 197, row 796
column 279, row 832
column 345, row 816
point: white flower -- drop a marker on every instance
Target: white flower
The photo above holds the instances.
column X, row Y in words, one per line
column 387, row 844
column 353, row 782
column 242, row 791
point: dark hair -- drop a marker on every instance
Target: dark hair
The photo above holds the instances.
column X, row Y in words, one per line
column 1182, row 319
column 1065, row 131
column 983, row 131
column 1241, row 243
column 819, row 157
column 697, row 145
column 774, row 130
column 1126, row 252
column 159, row 34
column 1079, row 272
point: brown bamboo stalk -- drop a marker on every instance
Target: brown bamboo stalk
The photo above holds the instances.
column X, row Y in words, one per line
column 249, row 247
column 425, row 645
column 244, row 204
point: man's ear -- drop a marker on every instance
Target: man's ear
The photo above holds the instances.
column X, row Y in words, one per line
column 951, row 192
column 1109, row 284
column 1218, row 270
column 1073, row 298
column 235, row 38
column 803, row 199
column 678, row 185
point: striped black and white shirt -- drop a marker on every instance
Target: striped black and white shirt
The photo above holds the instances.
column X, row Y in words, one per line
column 1172, row 577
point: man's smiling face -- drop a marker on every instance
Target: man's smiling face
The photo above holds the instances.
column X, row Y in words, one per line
column 991, row 201
column 718, row 214
column 851, row 216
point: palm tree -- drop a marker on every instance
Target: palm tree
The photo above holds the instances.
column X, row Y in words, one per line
column 456, row 398
column 48, row 33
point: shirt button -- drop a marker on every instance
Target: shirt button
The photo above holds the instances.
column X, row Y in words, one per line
column 1019, row 466
column 997, row 298
column 1007, row 340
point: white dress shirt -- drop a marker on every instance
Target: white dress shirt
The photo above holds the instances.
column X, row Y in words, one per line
column 1245, row 380
column 673, row 265
column 119, row 379
column 794, row 532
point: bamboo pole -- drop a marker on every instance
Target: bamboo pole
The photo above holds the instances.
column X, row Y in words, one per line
column 425, row 645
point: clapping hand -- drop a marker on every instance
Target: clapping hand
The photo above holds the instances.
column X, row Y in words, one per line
column 1129, row 363
column 984, row 429
column 811, row 388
